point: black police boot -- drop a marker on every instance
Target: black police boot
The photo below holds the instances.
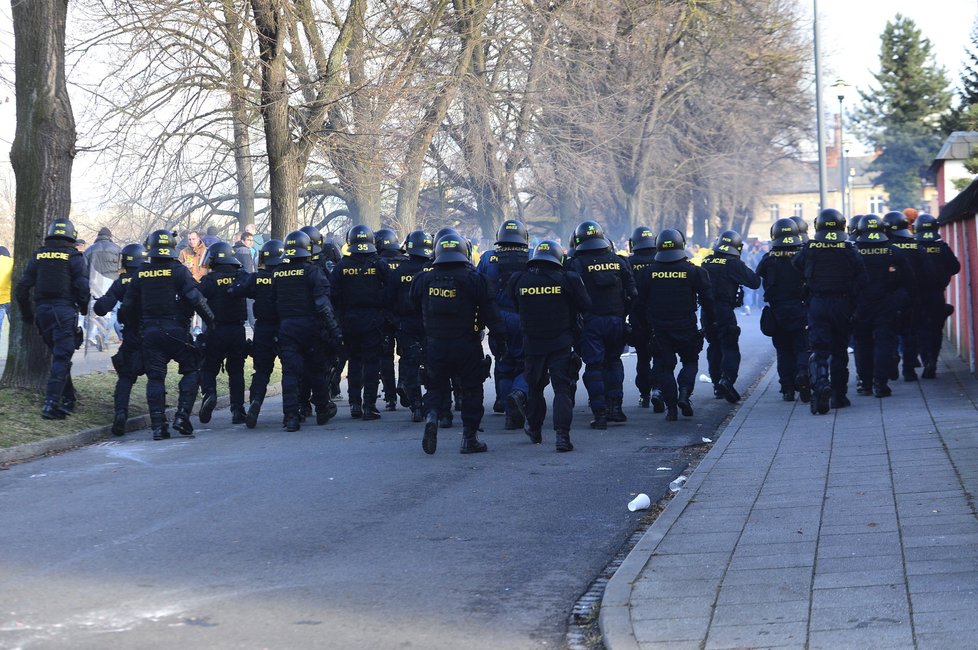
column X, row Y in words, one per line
column 182, row 424
column 471, row 443
column 863, row 387
column 672, row 414
column 157, row 421
column 445, row 421
column 909, row 374
column 67, row 405
column 788, row 395
column 402, row 394
column 510, row 423
column 821, row 399
column 251, row 421
column 305, row 410
column 207, row 407
column 615, row 414
column 498, row 406
column 238, row 415
column 804, row 389
column 600, row 420
column 292, row 422
column 370, row 412
column 658, row 404
column 881, row 389
column 839, row 400
column 356, row 411
column 391, row 403
column 895, row 369
column 417, row 412
column 325, row 414
column 685, row 406
column 930, row 370
column 517, row 410
column 728, row 391
column 563, row 441
column 644, row 401
column 52, row 411
column 430, row 441
column 717, row 393
column 119, row 422
column 535, row 435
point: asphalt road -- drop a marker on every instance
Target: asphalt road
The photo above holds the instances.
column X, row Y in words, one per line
column 343, row 536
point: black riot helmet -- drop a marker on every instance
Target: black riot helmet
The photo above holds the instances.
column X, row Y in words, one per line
column 852, row 227
column 829, row 225
column 785, row 234
column 670, row 246
column 871, row 229
column 272, row 253
column 385, row 239
column 361, row 240
column 219, row 253
column 729, row 242
column 589, row 236
column 642, row 239
column 297, row 245
column 62, row 229
column 420, row 244
column 445, row 231
column 897, row 225
column 512, row 231
column 331, row 252
column 547, row 252
column 571, row 245
column 926, row 227
column 451, row 248
column 316, row 237
column 161, row 243
column 802, row 227
column 132, row 256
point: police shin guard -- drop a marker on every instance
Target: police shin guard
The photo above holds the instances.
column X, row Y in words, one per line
column 563, row 441
column 471, row 443
column 615, row 414
column 157, row 421
column 430, row 441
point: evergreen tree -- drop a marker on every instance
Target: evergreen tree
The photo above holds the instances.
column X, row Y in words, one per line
column 902, row 117
column 964, row 116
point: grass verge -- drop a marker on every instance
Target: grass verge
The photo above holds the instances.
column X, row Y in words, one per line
column 20, row 410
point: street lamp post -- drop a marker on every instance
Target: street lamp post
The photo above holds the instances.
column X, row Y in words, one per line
column 819, row 122
column 840, row 88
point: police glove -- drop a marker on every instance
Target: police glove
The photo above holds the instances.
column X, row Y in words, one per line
column 79, row 337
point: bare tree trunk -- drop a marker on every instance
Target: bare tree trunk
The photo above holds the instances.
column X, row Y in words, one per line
column 245, row 176
column 42, row 155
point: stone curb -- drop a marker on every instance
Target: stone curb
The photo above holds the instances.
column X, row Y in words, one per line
column 615, row 619
column 32, row 450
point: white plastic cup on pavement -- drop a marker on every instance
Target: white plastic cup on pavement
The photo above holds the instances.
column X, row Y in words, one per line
column 641, row 502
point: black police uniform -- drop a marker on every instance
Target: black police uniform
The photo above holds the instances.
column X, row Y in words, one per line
column 912, row 316
column 728, row 274
column 671, row 292
column 611, row 287
column 358, row 286
column 225, row 342
column 784, row 292
column 834, row 273
column 550, row 302
column 890, row 283
column 264, row 345
column 456, row 303
column 930, row 291
column 388, row 379
column 307, row 333
column 640, row 261
column 58, row 276
column 128, row 360
column 164, row 295
column 409, row 333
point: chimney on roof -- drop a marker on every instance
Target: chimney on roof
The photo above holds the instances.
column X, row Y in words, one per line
column 833, row 151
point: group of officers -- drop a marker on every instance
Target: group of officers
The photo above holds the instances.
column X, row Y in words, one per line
column 548, row 312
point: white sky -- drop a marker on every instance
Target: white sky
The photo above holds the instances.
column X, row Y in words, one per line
column 850, row 31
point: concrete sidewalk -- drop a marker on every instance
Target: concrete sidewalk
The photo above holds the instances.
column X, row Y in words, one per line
column 856, row 529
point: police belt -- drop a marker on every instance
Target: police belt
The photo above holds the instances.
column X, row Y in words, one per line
column 68, row 302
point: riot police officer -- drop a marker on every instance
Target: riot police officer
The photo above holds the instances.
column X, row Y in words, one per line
column 930, row 289
column 671, row 288
column 258, row 287
column 641, row 245
column 456, row 303
column 58, row 276
column 410, row 327
column 499, row 265
column 128, row 360
column 389, row 250
column 728, row 276
column 802, row 228
column 225, row 342
column 898, row 230
column 786, row 316
column 320, row 258
column 358, row 282
column 307, row 328
column 834, row 273
column 611, row 287
column 550, row 302
column 890, row 283
column 163, row 295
